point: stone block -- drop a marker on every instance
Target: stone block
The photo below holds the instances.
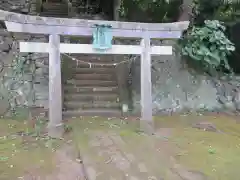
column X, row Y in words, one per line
column 41, row 71
column 7, row 59
column 175, row 89
column 41, row 95
column 22, row 36
column 8, row 40
column 170, row 97
column 28, row 77
column 42, row 103
column 40, row 88
column 41, row 80
column 205, row 97
column 41, row 65
column 39, row 57
column 4, row 47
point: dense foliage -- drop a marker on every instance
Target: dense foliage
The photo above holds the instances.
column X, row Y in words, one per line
column 208, row 45
column 150, row 10
column 207, row 41
column 222, row 10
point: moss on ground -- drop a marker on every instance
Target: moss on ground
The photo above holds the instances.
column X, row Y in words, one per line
column 20, row 152
column 215, row 154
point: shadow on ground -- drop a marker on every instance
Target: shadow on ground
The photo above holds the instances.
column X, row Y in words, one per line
column 184, row 147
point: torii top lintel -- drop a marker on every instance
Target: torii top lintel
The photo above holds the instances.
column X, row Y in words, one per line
column 28, row 19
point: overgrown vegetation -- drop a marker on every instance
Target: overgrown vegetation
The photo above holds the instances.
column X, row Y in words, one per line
column 150, row 11
column 222, row 10
column 206, row 43
column 208, row 46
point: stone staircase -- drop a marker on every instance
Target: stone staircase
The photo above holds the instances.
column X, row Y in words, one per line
column 54, row 9
column 90, row 90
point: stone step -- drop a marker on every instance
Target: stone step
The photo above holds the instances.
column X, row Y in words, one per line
column 89, row 89
column 54, row 6
column 95, row 70
column 109, row 63
column 54, row 15
column 54, row 11
column 94, row 65
column 91, row 83
column 91, row 58
column 91, row 64
column 105, row 77
column 49, row 13
column 92, row 112
column 94, row 96
column 74, row 105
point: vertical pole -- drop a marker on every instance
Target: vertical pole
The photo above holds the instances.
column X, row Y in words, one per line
column 116, row 7
column 146, row 122
column 55, row 127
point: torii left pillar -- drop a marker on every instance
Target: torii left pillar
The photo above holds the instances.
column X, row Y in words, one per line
column 55, row 126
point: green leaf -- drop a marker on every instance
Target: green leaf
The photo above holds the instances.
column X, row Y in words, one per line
column 208, row 44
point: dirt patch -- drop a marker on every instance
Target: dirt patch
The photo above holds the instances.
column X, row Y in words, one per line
column 206, row 126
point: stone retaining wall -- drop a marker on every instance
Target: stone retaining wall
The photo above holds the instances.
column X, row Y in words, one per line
column 24, row 76
column 20, row 6
column 176, row 88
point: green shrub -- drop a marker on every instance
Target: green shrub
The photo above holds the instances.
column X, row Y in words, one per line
column 208, row 45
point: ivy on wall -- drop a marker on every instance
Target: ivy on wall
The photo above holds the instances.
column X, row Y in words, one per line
column 16, row 85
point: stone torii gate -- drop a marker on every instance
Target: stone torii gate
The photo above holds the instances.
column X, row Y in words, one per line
column 54, row 27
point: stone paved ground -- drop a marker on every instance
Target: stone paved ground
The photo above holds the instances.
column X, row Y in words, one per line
column 116, row 151
column 115, row 157
column 108, row 149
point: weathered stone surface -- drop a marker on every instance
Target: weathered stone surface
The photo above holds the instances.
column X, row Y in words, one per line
column 4, row 106
column 43, row 95
column 175, row 88
column 6, row 59
column 41, row 71
column 41, row 103
column 27, row 87
column 237, row 100
column 9, row 16
column 205, row 97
